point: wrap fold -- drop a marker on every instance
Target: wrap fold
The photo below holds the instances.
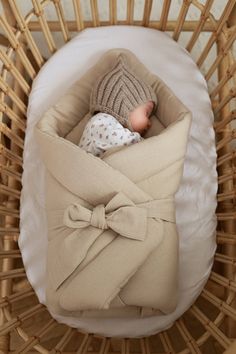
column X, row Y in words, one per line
column 113, row 241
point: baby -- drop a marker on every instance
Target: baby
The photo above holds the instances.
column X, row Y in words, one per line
column 120, row 104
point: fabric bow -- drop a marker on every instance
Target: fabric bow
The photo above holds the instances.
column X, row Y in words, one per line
column 120, row 215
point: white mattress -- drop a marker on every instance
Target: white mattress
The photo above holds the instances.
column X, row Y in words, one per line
column 196, row 198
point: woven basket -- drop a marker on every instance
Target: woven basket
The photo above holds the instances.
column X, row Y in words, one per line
column 209, row 326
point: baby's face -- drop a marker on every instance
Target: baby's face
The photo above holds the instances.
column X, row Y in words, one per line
column 139, row 117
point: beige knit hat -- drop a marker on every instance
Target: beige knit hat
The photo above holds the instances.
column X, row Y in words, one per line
column 119, row 92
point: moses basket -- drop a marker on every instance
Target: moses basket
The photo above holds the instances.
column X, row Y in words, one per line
column 209, row 326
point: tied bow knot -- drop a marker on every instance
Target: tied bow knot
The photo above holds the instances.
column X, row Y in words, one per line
column 98, row 218
column 120, row 214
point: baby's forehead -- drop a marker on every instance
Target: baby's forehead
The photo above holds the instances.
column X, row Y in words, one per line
column 143, row 104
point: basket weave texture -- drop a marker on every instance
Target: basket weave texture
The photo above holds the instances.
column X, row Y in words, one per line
column 209, row 326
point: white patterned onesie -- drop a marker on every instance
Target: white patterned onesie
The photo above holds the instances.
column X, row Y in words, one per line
column 103, row 132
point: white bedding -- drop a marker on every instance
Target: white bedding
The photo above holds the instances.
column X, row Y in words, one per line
column 196, row 198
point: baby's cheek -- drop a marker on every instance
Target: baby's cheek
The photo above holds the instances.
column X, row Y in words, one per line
column 139, row 121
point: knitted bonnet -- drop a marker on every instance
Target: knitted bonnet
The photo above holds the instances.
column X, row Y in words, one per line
column 119, row 92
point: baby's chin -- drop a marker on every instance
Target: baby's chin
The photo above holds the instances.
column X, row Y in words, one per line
column 143, row 132
column 143, row 135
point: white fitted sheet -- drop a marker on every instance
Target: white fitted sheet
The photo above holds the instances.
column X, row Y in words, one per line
column 195, row 199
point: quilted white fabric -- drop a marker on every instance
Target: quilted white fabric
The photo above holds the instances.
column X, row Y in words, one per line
column 196, row 198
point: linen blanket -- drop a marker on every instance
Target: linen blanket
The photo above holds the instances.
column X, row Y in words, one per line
column 112, row 236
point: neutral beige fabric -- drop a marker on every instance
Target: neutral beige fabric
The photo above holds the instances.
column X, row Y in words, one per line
column 113, row 242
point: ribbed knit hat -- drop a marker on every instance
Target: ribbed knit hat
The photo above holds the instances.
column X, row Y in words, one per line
column 119, row 92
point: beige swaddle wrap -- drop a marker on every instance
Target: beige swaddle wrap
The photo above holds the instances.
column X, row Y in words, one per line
column 113, row 241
